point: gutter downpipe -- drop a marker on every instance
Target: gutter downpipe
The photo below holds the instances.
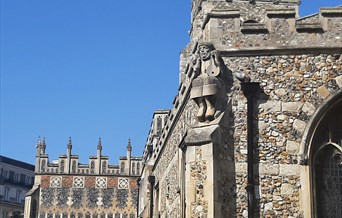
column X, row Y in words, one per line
column 250, row 89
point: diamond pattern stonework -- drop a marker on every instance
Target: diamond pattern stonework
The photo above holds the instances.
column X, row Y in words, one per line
column 101, row 182
column 123, row 183
column 56, row 181
column 78, row 182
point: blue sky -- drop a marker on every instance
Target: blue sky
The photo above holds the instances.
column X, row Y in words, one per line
column 90, row 69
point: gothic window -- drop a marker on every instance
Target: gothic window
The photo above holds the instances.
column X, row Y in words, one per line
column 43, row 166
column 326, row 164
column 61, row 166
column 328, row 182
column 92, row 167
column 73, row 169
column 104, row 167
column 159, row 125
column 138, row 168
column 133, row 168
column 122, row 169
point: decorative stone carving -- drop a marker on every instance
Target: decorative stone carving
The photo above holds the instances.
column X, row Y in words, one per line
column 56, row 182
column 78, row 182
column 101, row 182
column 211, row 83
column 123, row 183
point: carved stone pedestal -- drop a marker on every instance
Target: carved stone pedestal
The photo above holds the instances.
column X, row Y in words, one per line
column 210, row 170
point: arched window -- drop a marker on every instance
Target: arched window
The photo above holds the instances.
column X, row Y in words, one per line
column 138, row 168
column 328, row 182
column 122, row 169
column 326, row 163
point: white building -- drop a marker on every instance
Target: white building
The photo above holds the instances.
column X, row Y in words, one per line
column 16, row 179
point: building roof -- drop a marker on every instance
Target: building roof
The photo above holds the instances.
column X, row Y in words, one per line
column 17, row 163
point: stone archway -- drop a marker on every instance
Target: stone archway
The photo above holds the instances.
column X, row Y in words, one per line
column 321, row 157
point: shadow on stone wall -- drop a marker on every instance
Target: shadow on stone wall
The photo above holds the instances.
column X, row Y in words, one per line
column 226, row 161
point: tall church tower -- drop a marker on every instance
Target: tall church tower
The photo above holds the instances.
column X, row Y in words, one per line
column 200, row 165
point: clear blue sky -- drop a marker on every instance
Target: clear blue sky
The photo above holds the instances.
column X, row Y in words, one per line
column 90, row 69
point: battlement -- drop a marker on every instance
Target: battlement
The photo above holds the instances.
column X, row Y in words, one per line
column 265, row 26
column 202, row 5
column 97, row 165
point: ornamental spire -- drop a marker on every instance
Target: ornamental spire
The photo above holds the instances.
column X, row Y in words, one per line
column 99, row 144
column 43, row 145
column 38, row 142
column 69, row 143
column 129, row 146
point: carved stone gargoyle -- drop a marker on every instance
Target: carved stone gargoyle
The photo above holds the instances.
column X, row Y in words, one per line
column 212, row 81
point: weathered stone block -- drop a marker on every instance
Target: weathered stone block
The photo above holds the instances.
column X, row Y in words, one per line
column 280, row 92
column 308, row 108
column 339, row 81
column 299, row 125
column 268, row 206
column 202, row 135
column 286, row 189
column 289, row 170
column 292, row 147
column 292, row 106
column 269, row 169
column 323, row 92
column 241, row 168
column 271, row 106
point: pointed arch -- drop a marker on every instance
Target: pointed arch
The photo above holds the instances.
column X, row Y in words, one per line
column 321, row 159
column 321, row 114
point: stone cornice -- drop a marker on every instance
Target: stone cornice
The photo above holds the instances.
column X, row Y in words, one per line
column 286, row 50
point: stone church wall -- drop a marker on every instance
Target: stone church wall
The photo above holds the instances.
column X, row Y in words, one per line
column 298, row 63
column 294, row 87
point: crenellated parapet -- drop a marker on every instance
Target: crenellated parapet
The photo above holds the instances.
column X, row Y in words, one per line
column 68, row 188
column 241, row 25
column 97, row 164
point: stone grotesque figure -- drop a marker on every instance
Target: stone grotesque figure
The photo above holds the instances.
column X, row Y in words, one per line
column 210, row 83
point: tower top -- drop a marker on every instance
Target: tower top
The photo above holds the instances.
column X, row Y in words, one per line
column 129, row 146
column 99, row 144
column 197, row 5
column 69, row 143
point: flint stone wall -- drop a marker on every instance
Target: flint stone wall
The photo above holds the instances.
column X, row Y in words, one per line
column 292, row 86
column 84, row 196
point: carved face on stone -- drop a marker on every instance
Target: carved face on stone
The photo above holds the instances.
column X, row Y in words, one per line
column 204, row 52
